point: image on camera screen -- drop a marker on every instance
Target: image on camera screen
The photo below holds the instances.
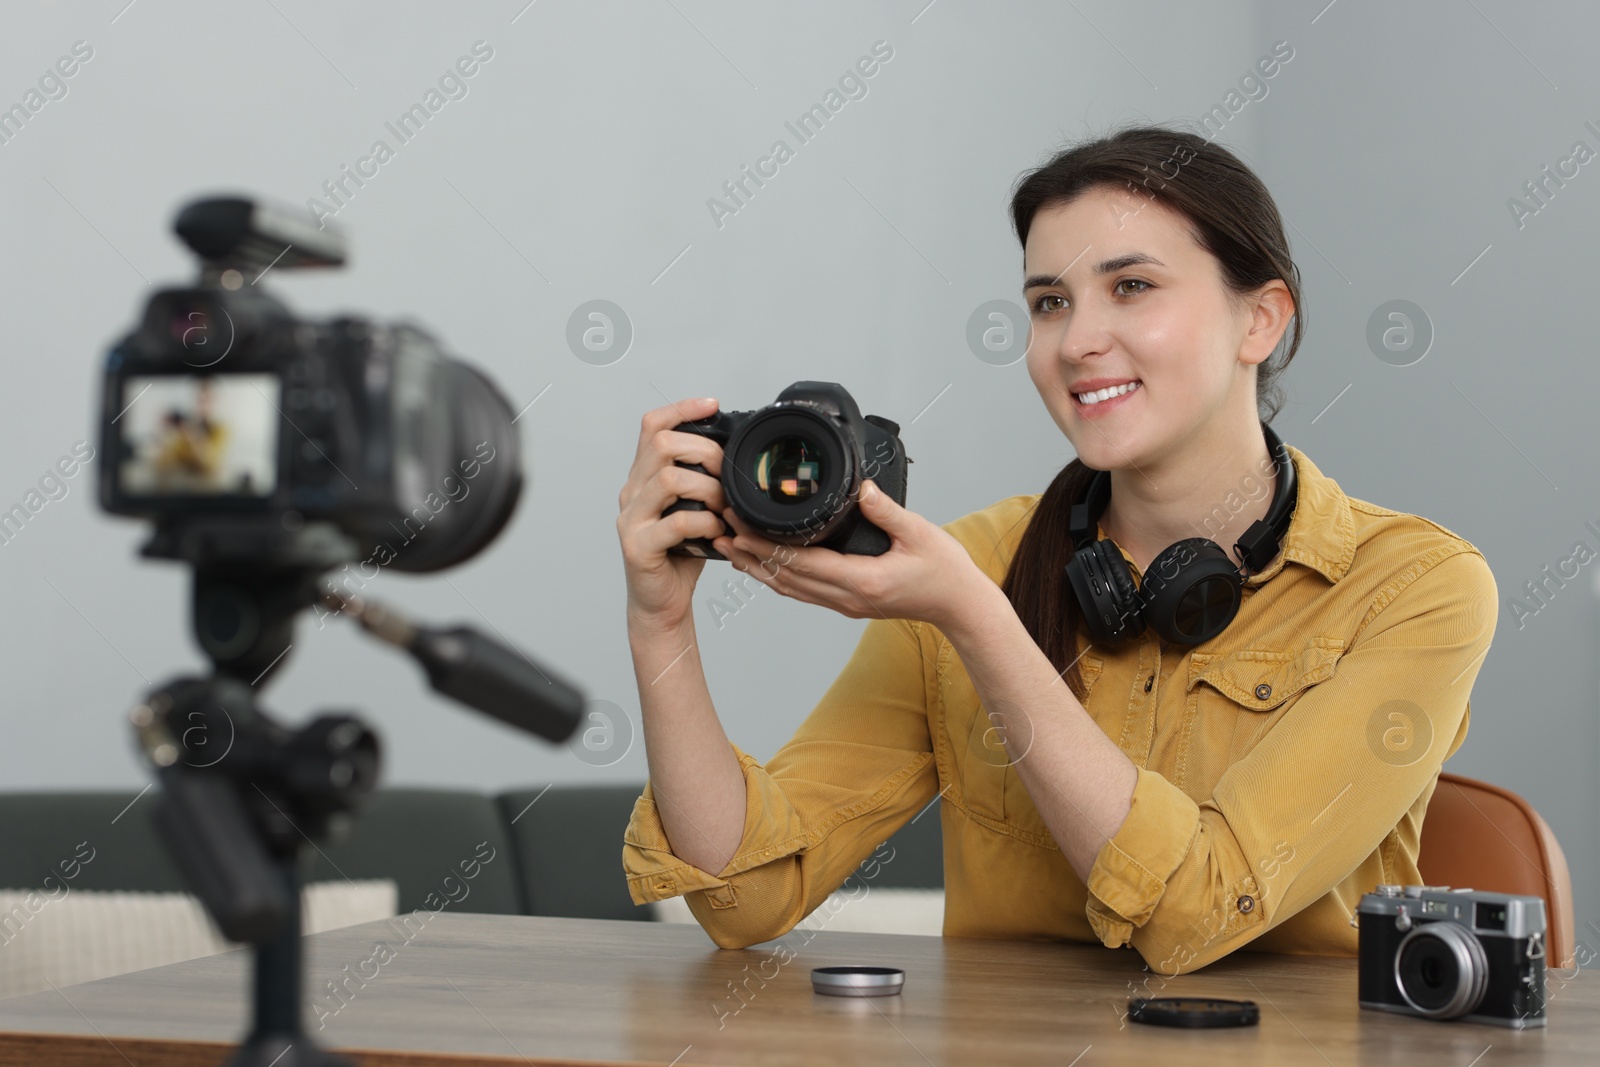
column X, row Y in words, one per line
column 200, row 435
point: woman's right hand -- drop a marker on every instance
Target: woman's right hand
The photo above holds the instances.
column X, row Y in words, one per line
column 661, row 586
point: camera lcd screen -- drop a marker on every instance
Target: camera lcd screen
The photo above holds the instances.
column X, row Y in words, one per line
column 200, row 435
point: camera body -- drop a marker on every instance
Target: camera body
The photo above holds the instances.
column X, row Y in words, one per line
column 794, row 469
column 1445, row 953
column 245, row 432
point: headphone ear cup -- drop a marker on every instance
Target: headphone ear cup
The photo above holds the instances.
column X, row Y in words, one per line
column 1106, row 592
column 1192, row 591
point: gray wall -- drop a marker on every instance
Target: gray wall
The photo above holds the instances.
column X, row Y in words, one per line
column 578, row 166
column 1393, row 143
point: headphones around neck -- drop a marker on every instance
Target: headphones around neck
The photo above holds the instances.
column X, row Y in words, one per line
column 1192, row 589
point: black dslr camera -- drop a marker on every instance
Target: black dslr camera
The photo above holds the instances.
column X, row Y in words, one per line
column 244, row 431
column 1453, row 954
column 794, row 469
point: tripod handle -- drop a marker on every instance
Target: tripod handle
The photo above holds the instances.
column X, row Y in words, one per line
column 497, row 680
column 490, row 676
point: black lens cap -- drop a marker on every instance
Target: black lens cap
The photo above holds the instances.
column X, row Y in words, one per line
column 1197, row 1012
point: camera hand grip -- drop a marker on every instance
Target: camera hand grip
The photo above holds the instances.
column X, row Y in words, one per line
column 698, row 547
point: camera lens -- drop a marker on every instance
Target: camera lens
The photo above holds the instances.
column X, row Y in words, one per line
column 466, row 453
column 1441, row 970
column 789, row 470
column 792, row 475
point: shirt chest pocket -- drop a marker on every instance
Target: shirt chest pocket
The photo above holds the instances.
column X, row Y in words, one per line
column 1233, row 698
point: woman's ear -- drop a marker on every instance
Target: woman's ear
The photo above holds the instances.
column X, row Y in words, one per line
column 1272, row 308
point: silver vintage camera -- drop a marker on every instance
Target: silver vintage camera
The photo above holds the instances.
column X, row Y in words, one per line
column 1447, row 953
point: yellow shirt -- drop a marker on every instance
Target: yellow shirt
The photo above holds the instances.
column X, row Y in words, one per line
column 1284, row 767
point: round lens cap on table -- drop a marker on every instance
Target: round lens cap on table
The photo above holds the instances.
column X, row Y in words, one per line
column 1200, row 1012
column 857, row 981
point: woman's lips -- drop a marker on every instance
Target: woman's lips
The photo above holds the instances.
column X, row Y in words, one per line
column 1105, row 407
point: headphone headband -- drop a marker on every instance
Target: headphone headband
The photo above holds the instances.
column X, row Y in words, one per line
column 1256, row 546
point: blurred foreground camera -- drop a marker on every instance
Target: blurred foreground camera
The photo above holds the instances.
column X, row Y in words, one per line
column 1446, row 953
column 794, row 469
column 242, row 430
column 267, row 450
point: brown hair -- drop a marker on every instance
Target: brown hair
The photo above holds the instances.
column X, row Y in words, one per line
column 1233, row 217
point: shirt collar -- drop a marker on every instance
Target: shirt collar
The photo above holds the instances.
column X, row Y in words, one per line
column 1322, row 531
column 1322, row 528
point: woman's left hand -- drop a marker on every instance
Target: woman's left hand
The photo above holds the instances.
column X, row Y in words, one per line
column 926, row 575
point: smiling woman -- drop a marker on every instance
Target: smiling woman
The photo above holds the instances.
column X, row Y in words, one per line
column 1138, row 738
column 1189, row 285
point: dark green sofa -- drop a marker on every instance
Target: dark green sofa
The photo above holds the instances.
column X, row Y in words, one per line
column 557, row 850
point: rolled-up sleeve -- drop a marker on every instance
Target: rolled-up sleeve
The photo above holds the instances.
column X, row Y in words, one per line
column 1185, row 883
column 1129, row 876
column 858, row 767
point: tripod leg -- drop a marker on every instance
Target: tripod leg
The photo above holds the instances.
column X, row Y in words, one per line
column 277, row 1038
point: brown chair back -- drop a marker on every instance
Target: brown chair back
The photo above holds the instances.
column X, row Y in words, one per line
column 1484, row 837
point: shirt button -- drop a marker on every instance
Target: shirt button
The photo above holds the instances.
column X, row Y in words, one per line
column 1148, row 682
column 1247, row 904
column 1263, row 691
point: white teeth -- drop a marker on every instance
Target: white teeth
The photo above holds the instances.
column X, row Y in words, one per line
column 1106, row 394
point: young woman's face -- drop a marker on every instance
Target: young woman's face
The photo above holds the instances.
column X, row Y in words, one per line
column 1100, row 317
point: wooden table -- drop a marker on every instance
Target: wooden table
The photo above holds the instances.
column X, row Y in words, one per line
column 498, row 989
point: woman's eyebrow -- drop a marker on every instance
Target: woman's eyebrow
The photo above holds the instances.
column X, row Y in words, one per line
column 1106, row 267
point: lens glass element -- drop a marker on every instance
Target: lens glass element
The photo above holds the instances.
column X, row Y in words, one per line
column 789, row 470
column 1441, row 970
column 1430, row 972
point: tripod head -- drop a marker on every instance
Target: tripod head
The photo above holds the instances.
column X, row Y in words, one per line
column 226, row 818
column 235, row 823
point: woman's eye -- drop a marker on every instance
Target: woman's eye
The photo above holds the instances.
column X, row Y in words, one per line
column 1055, row 302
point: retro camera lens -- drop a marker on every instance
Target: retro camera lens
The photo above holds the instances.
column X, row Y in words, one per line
column 1441, row 970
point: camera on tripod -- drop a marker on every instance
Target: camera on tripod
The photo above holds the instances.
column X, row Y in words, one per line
column 242, row 430
column 1445, row 953
column 266, row 450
